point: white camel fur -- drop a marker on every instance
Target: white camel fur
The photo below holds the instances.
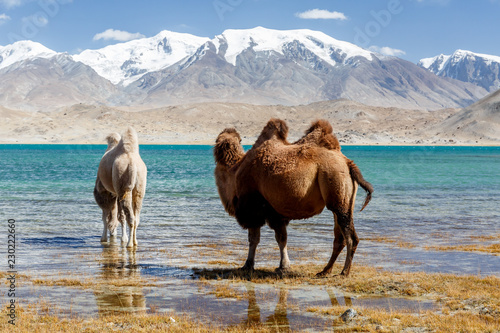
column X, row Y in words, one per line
column 121, row 185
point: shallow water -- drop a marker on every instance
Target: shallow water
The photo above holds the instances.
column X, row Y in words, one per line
column 424, row 196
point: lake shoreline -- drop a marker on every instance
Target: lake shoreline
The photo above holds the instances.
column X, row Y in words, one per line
column 207, row 143
column 459, row 300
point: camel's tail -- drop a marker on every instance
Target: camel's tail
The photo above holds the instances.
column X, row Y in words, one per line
column 130, row 141
column 358, row 177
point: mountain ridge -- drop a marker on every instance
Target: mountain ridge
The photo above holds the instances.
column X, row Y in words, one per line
column 258, row 66
column 482, row 70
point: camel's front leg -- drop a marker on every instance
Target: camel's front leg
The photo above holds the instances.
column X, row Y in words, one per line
column 104, row 237
column 253, row 240
column 281, row 237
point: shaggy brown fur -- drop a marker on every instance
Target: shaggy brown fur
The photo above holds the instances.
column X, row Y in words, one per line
column 276, row 182
column 274, row 127
column 227, row 153
column 121, row 185
column 321, row 134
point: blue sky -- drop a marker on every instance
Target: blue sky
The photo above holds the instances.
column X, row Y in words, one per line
column 410, row 29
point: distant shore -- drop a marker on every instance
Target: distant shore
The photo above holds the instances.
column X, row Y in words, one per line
column 199, row 124
column 208, row 143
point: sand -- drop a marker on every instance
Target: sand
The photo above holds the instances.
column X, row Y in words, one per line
column 353, row 123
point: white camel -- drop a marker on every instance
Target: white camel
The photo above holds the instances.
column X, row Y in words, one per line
column 121, row 185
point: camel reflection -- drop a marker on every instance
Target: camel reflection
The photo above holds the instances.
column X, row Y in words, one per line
column 119, row 290
column 335, row 301
column 279, row 320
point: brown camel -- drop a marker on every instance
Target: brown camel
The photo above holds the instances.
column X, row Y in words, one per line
column 121, row 185
column 276, row 182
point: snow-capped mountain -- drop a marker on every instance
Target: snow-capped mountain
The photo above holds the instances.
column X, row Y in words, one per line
column 259, row 66
column 480, row 69
column 124, row 63
column 232, row 43
column 264, row 66
column 23, row 50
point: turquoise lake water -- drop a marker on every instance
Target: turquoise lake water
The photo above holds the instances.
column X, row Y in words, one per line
column 424, row 196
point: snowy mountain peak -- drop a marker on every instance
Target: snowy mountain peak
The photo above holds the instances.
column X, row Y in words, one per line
column 126, row 62
column 23, row 50
column 480, row 69
column 461, row 54
column 434, row 64
column 262, row 39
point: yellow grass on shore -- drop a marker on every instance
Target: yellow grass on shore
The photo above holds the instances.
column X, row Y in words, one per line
column 464, row 303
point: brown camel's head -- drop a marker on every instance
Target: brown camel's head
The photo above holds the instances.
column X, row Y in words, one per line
column 228, row 149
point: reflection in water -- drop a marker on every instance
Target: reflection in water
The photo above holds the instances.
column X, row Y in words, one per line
column 125, row 294
column 278, row 320
column 335, row 301
column 253, row 306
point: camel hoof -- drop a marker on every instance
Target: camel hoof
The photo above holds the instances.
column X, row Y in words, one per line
column 247, row 269
column 322, row 274
column 104, row 240
column 283, row 269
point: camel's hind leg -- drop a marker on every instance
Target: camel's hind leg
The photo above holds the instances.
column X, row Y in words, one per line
column 341, row 203
column 123, row 222
column 128, row 210
column 137, row 203
column 346, row 225
column 338, row 244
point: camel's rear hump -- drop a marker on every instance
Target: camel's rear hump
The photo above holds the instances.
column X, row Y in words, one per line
column 320, row 134
column 130, row 141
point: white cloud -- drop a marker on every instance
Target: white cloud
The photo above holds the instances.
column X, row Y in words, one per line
column 16, row 3
column 11, row 3
column 4, row 18
column 389, row 51
column 315, row 14
column 118, row 35
column 40, row 19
